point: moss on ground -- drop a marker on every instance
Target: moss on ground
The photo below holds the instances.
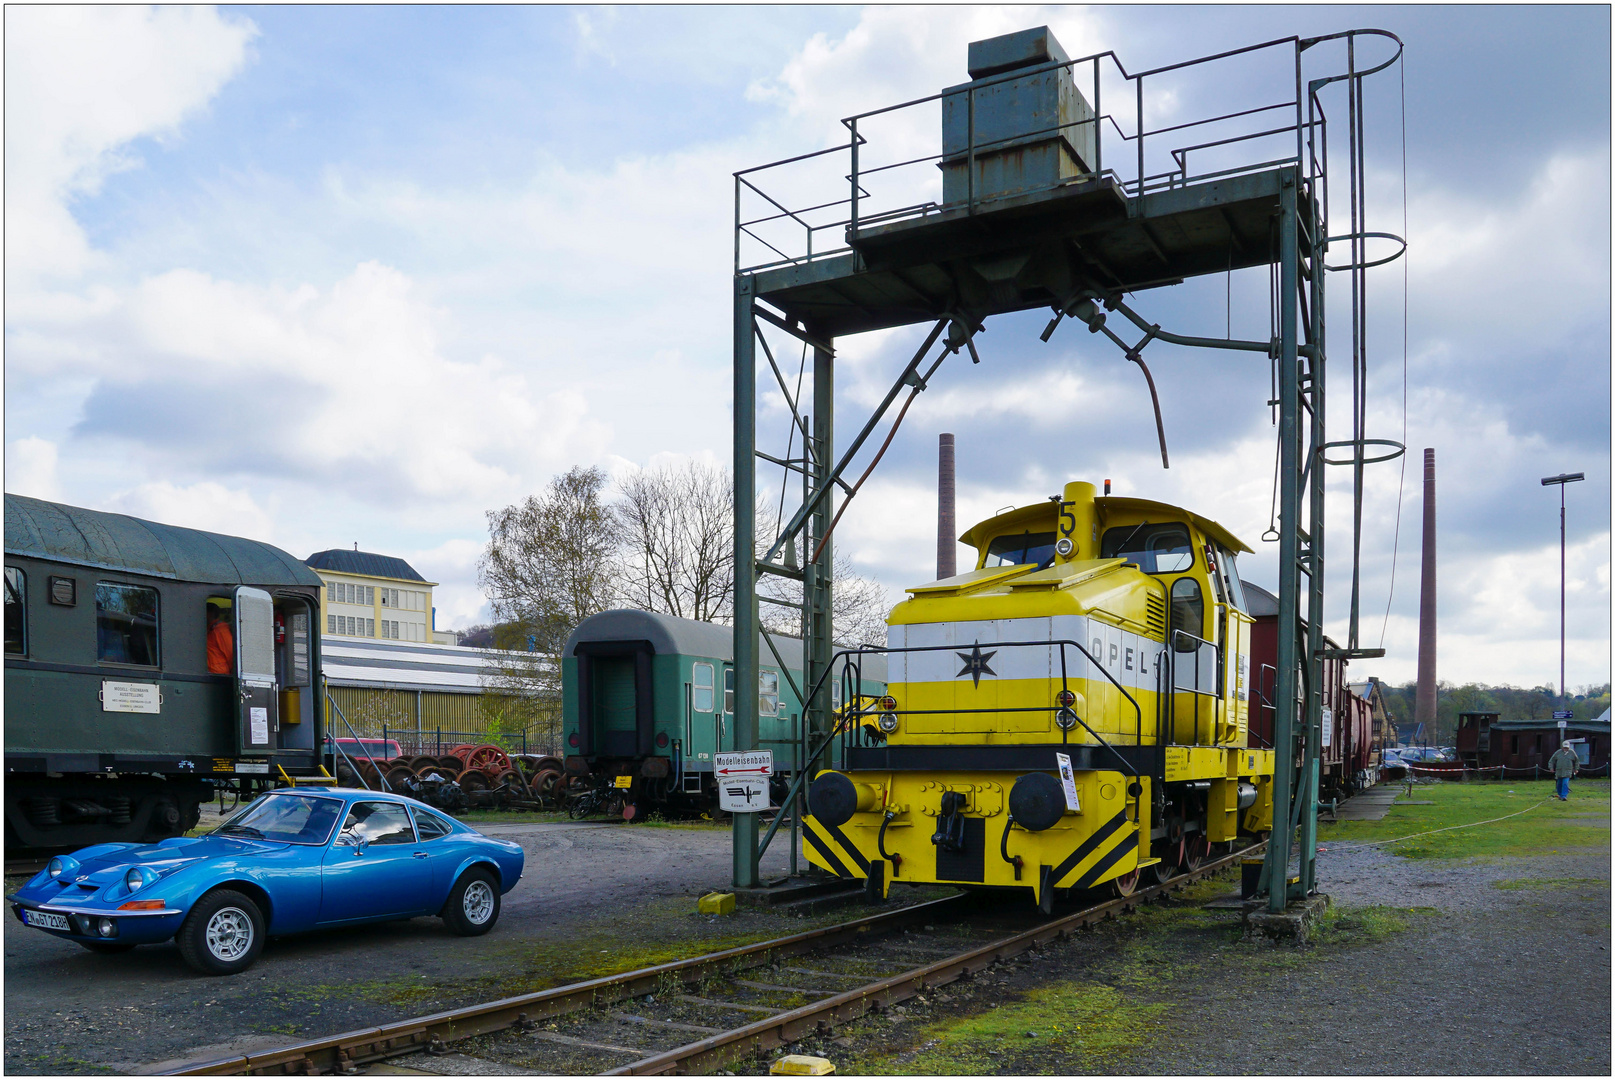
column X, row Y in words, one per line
column 1135, row 971
column 1551, row 883
column 1546, row 827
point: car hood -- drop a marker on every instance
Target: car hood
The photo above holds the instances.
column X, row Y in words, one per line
column 107, row 864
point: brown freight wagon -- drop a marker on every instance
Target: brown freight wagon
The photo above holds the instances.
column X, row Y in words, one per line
column 1523, row 747
column 1348, row 729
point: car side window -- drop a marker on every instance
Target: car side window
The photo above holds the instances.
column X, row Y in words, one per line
column 430, row 826
column 379, row 823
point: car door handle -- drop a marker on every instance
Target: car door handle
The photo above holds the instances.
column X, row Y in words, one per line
column 422, row 854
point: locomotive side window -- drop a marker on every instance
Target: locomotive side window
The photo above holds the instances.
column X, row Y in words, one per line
column 126, row 624
column 16, row 612
column 701, row 675
column 768, row 693
column 1019, row 549
column 1157, row 549
column 1230, row 573
column 729, row 690
column 1188, row 613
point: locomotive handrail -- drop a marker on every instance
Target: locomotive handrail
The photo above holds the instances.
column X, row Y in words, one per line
column 1175, row 689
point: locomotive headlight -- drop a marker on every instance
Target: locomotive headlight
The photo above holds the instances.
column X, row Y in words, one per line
column 887, row 722
column 888, row 703
column 1066, row 719
column 1063, row 546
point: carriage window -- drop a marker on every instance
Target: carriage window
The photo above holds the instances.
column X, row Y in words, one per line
column 380, row 823
column 1022, row 548
column 768, row 693
column 126, row 624
column 1157, row 549
column 16, row 618
column 1188, row 613
column 701, row 675
column 729, row 690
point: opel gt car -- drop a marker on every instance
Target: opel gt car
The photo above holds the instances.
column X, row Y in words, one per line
column 294, row 860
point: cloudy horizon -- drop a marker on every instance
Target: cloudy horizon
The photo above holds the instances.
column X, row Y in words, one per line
column 334, row 275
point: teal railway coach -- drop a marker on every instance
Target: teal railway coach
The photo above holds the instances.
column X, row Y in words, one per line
column 652, row 697
column 114, row 726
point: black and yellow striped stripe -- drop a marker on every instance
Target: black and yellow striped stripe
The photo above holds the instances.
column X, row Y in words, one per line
column 1122, row 837
column 833, row 847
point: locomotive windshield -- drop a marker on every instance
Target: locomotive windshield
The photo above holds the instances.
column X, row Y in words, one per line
column 1157, row 549
column 1017, row 549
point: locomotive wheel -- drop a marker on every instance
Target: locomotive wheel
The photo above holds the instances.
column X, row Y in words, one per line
column 475, row 780
column 549, row 761
column 1195, row 850
column 543, row 785
column 489, row 758
column 1125, row 884
column 422, row 761
column 1165, row 870
column 398, row 774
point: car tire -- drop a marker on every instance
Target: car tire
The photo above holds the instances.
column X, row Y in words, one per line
column 107, row 947
column 223, row 934
column 473, row 904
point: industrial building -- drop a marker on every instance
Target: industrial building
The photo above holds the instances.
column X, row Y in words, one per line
column 375, row 596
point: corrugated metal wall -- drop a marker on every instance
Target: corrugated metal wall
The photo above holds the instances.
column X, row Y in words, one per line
column 367, row 710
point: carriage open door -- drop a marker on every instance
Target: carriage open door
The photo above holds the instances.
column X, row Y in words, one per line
column 257, row 702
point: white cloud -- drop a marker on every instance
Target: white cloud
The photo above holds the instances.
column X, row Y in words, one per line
column 81, row 84
column 208, row 506
column 31, row 468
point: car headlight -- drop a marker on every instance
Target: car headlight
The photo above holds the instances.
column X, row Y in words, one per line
column 139, row 877
column 887, row 722
column 61, row 866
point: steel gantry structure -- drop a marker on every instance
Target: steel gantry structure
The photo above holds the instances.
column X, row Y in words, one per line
column 1049, row 201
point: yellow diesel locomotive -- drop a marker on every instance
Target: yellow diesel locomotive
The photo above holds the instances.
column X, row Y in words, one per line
column 1074, row 712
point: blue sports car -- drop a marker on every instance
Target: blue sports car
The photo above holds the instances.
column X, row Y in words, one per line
column 293, row 860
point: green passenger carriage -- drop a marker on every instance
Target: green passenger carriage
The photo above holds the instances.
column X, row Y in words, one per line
column 648, row 699
column 114, row 724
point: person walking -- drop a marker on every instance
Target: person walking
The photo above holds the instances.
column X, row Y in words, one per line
column 1564, row 764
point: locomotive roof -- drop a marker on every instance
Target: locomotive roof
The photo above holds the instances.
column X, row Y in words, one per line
column 1028, row 515
column 80, row 537
column 670, row 635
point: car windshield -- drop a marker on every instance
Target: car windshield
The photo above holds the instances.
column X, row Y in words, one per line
column 290, row 819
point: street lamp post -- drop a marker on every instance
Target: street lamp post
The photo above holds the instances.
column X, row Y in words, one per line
column 1562, row 479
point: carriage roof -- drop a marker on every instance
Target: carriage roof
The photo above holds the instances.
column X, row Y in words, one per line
column 79, row 537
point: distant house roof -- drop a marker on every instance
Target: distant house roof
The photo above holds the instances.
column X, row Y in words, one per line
column 92, row 538
column 1259, row 603
column 343, row 561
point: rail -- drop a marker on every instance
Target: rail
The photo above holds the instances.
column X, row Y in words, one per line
column 1264, row 133
column 346, row 1052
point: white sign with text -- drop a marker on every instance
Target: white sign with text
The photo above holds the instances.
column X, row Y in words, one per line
column 742, row 777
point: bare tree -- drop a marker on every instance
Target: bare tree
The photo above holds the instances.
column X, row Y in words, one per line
column 677, row 533
column 858, row 606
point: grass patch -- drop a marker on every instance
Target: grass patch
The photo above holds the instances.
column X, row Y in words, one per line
column 1078, row 1024
column 1551, row 828
column 1551, row 883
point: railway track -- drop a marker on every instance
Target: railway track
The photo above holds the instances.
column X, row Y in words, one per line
column 736, row 1002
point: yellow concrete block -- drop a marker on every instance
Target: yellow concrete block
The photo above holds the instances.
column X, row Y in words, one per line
column 802, row 1065
column 718, row 903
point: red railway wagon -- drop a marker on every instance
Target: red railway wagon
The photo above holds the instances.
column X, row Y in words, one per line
column 1348, row 730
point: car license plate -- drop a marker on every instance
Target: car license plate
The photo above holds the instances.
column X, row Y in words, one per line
column 623, row 781
column 45, row 918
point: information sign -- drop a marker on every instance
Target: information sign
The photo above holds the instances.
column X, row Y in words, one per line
column 136, row 697
column 742, row 778
column 1068, row 781
column 1563, row 714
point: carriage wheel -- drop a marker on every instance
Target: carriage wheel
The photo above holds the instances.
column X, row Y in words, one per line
column 543, row 785
column 489, row 758
column 1125, row 884
column 421, row 761
column 549, row 761
column 398, row 774
column 475, row 780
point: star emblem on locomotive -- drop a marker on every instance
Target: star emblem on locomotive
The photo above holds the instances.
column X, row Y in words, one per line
column 976, row 663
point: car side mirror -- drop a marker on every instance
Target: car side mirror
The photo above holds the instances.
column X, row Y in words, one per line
column 357, row 841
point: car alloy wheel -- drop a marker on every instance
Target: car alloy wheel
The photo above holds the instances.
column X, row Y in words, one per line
column 229, row 934
column 477, row 903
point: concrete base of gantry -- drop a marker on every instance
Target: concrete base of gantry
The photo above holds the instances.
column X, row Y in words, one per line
column 1292, row 926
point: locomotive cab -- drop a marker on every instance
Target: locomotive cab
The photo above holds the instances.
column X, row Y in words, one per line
column 1070, row 712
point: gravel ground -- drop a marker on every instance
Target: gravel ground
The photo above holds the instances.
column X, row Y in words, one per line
column 587, row 890
column 1476, row 983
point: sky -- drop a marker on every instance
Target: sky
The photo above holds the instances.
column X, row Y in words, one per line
column 332, row 275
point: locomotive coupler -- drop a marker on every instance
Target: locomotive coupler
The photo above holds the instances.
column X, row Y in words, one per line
column 950, row 822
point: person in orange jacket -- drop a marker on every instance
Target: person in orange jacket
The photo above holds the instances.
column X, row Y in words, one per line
column 221, row 651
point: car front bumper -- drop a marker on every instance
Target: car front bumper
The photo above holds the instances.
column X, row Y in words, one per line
column 83, row 922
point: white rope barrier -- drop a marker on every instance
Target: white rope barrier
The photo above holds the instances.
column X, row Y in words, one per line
column 1428, row 832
